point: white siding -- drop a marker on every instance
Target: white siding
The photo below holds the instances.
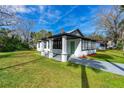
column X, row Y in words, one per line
column 78, row 47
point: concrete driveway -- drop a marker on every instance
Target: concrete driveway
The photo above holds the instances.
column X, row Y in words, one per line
column 112, row 67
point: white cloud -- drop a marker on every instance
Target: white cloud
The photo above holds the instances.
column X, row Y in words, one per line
column 21, row 9
column 49, row 15
column 41, row 7
column 72, row 21
column 66, row 14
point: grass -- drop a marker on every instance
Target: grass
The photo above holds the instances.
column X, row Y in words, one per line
column 116, row 56
column 29, row 69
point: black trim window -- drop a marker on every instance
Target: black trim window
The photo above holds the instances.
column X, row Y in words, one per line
column 87, row 44
column 45, row 44
column 90, row 44
column 57, row 44
column 82, row 44
column 94, row 45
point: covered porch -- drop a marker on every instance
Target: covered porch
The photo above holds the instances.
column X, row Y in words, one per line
column 59, row 47
column 64, row 46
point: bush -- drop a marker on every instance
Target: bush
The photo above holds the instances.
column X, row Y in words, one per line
column 119, row 45
column 13, row 44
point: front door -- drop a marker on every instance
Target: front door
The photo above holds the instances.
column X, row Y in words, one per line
column 72, row 47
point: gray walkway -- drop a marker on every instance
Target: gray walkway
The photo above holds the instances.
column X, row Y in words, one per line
column 116, row 68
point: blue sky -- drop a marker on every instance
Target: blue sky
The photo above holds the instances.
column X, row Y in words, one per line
column 55, row 18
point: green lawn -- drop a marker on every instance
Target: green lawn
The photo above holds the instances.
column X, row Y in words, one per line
column 29, row 69
column 110, row 56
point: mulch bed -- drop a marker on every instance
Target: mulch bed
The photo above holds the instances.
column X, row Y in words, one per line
column 83, row 56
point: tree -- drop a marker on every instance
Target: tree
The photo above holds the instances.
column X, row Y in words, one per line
column 11, row 43
column 20, row 26
column 24, row 28
column 41, row 34
column 49, row 34
column 97, row 36
column 109, row 22
column 7, row 16
column 20, row 29
column 121, row 26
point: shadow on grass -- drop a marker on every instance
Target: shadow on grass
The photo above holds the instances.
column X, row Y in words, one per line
column 102, row 50
column 21, row 64
column 5, row 55
column 82, row 64
column 73, row 65
column 95, row 70
column 108, row 58
column 14, row 54
column 119, row 56
column 84, row 79
column 103, row 56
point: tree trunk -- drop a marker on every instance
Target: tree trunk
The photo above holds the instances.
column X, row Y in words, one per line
column 115, row 40
column 123, row 45
column 123, row 39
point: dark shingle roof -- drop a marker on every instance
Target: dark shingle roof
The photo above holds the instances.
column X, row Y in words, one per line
column 70, row 34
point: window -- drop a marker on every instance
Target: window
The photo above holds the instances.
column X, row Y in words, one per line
column 57, row 44
column 45, row 44
column 93, row 45
column 88, row 43
column 90, row 47
column 85, row 45
column 82, row 45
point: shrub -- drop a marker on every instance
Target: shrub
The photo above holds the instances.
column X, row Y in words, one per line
column 119, row 45
column 13, row 44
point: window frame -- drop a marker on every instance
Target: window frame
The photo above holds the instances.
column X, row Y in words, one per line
column 57, row 44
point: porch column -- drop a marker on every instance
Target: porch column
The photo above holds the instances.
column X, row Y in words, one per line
column 64, row 48
column 37, row 47
column 42, row 48
column 51, row 48
column 47, row 45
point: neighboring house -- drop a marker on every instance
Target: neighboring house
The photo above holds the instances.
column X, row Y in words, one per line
column 66, row 45
column 103, row 45
column 110, row 44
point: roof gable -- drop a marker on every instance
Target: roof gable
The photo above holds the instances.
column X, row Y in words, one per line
column 76, row 32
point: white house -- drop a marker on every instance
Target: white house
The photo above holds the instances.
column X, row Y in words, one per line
column 101, row 45
column 110, row 44
column 66, row 45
